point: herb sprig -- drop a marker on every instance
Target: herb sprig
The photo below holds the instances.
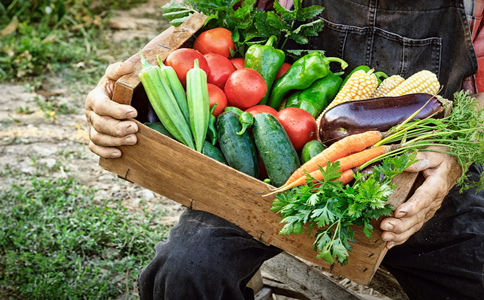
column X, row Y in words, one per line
column 333, row 207
column 247, row 24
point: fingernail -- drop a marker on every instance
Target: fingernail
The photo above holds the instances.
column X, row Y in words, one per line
column 129, row 140
column 130, row 114
column 390, row 245
column 130, row 129
column 387, row 226
column 401, row 214
column 115, row 155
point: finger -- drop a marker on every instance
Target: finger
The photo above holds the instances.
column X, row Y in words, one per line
column 423, row 197
column 106, row 152
column 105, row 140
column 426, row 160
column 393, row 239
column 100, row 103
column 112, row 127
column 116, row 70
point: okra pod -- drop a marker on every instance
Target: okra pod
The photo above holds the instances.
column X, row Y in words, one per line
column 164, row 103
column 176, row 88
column 198, row 104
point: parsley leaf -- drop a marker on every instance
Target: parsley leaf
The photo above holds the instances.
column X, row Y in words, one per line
column 332, row 207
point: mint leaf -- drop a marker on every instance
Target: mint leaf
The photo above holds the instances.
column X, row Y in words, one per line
column 308, row 12
column 284, row 13
column 275, row 21
column 310, row 29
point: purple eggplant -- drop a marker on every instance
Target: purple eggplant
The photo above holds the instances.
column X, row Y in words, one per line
column 376, row 114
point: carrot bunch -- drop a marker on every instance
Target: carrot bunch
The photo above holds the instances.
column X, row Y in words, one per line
column 351, row 152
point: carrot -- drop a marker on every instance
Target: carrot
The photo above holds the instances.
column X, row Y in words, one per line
column 342, row 148
column 346, row 176
column 345, row 163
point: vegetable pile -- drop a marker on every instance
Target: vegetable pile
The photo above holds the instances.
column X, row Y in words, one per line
column 283, row 116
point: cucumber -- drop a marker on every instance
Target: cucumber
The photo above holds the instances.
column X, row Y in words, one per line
column 275, row 148
column 160, row 128
column 239, row 150
column 310, row 150
column 213, row 152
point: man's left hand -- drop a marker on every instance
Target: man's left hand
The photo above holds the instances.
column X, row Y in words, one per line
column 441, row 172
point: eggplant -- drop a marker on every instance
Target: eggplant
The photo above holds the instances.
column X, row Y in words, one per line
column 376, row 114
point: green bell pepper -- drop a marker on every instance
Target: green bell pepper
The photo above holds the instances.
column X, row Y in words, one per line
column 266, row 60
column 315, row 98
column 301, row 75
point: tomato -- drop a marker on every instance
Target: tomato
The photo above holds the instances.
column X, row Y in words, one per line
column 254, row 110
column 245, row 88
column 220, row 69
column 239, row 63
column 216, row 95
column 181, row 61
column 299, row 124
column 217, row 40
column 282, row 70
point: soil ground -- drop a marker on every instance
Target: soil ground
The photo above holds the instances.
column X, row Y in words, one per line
column 32, row 136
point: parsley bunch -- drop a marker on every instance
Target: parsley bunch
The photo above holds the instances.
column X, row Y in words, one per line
column 333, row 207
column 247, row 24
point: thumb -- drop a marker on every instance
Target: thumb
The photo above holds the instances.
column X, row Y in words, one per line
column 427, row 160
column 116, row 70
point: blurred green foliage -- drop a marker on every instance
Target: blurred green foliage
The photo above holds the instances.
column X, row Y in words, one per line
column 41, row 35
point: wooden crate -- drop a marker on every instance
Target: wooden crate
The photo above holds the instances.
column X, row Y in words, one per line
column 171, row 169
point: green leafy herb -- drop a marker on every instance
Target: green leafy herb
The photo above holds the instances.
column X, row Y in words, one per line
column 332, row 207
column 247, row 24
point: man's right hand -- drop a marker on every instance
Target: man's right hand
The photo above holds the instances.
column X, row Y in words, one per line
column 108, row 127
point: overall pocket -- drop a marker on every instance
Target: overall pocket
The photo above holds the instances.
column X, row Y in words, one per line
column 380, row 49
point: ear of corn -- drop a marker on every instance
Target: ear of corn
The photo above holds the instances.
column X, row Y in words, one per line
column 387, row 86
column 359, row 86
column 420, row 82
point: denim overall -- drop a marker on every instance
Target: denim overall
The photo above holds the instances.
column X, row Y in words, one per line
column 209, row 258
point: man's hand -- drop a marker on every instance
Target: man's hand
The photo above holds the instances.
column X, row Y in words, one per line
column 106, row 130
column 441, row 172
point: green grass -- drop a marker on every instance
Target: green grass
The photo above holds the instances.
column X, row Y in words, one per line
column 56, row 244
column 55, row 35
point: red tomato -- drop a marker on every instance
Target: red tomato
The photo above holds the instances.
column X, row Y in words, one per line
column 239, row 63
column 254, row 110
column 216, row 95
column 182, row 61
column 220, row 69
column 299, row 124
column 282, row 70
column 217, row 40
column 245, row 88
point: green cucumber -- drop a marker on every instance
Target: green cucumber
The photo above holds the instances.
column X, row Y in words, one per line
column 275, row 148
column 239, row 150
column 160, row 128
column 310, row 150
column 213, row 152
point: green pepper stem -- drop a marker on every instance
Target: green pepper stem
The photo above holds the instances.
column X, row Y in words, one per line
column 327, row 60
column 271, row 40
